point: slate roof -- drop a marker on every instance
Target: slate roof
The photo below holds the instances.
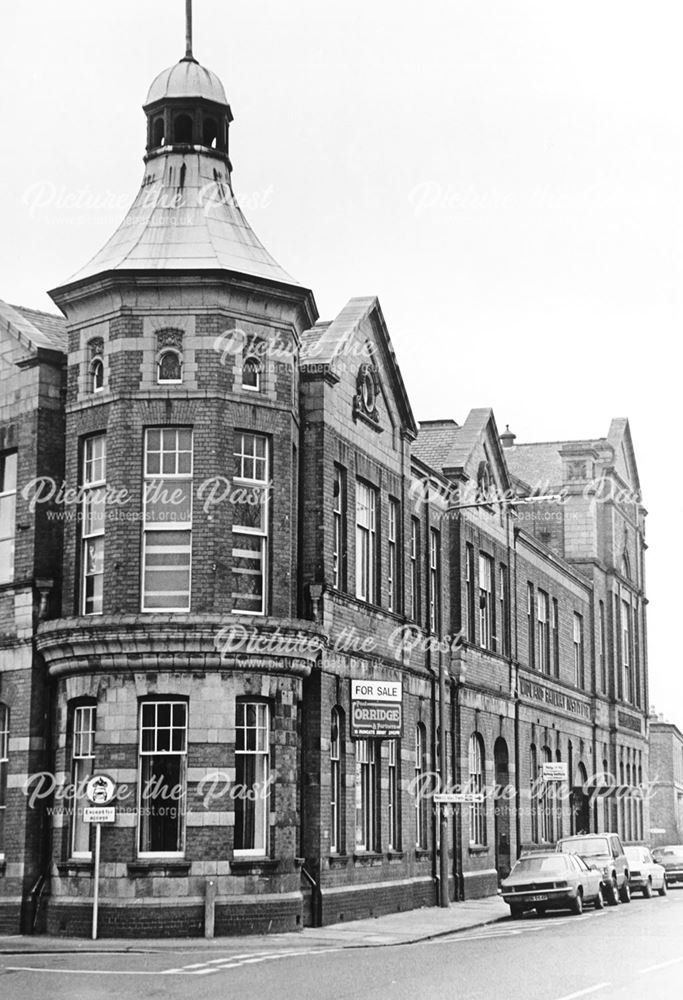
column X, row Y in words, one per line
column 540, row 463
column 436, row 440
column 185, row 218
column 35, row 329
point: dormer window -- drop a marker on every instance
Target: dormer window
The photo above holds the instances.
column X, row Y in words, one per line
column 251, row 374
column 170, row 367
column 97, row 375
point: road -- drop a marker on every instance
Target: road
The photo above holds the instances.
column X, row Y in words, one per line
column 629, row 952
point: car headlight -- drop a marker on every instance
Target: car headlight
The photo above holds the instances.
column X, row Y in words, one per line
column 605, row 871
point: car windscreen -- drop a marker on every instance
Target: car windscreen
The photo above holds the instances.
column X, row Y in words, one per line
column 670, row 852
column 635, row 854
column 590, row 847
column 545, row 865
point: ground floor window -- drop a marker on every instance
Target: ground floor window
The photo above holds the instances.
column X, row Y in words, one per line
column 393, row 796
column 4, row 763
column 367, row 819
column 163, row 755
column 252, row 743
column 82, row 766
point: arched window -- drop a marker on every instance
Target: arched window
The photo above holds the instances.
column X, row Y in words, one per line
column 251, row 373
column 158, row 130
column 210, row 132
column 182, row 129
column 476, row 785
column 170, row 367
column 4, row 763
column 421, row 792
column 97, row 375
column 336, row 781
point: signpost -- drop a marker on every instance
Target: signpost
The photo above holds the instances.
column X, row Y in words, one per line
column 376, row 709
column 100, row 791
column 554, row 771
column 458, row 798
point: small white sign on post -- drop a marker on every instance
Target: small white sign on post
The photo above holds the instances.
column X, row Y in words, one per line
column 100, row 791
column 554, row 771
column 458, row 798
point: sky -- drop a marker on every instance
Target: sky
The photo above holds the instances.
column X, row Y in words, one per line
column 505, row 175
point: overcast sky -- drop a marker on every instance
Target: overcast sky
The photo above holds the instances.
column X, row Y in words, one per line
column 503, row 174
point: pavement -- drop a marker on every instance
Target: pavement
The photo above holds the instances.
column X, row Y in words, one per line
column 408, row 927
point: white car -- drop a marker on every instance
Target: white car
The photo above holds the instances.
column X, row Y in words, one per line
column 644, row 874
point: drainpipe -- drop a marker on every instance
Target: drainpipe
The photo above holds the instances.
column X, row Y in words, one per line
column 514, row 656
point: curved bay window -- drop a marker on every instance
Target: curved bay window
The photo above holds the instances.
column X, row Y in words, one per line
column 82, row 766
column 250, row 524
column 252, row 766
column 476, row 785
column 163, row 756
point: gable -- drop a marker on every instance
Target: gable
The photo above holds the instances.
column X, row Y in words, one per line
column 619, row 437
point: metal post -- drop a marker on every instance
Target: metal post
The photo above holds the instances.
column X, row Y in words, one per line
column 96, row 887
column 210, row 909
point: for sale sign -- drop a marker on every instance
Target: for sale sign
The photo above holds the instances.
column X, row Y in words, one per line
column 376, row 709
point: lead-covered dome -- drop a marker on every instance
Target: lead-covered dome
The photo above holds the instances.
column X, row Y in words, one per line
column 186, row 79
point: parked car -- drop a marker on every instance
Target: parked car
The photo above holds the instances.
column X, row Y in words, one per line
column 605, row 852
column 671, row 857
column 644, row 874
column 551, row 881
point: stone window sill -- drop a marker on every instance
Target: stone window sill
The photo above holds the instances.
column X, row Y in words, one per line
column 253, row 866
column 160, row 867
column 75, row 866
column 367, row 858
column 478, row 849
column 338, row 860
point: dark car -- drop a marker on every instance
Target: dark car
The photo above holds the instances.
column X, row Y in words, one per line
column 671, row 859
column 548, row 881
column 605, row 852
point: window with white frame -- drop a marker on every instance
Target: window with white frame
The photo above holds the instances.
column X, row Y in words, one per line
column 336, row 782
column 250, row 524
column 251, row 373
column 82, row 766
column 434, row 580
column 486, row 612
column 578, row 650
column 543, row 631
column 163, row 756
column 393, row 550
column 367, row 825
column 92, row 524
column 97, row 375
column 8, row 497
column 421, row 792
column 4, row 765
column 366, row 542
column 476, row 785
column 167, row 528
column 339, row 528
column 415, row 569
column 393, row 796
column 252, row 774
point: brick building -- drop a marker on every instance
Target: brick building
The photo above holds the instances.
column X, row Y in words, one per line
column 666, row 778
column 238, row 578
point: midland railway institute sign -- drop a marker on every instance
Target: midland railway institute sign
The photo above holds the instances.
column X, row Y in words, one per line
column 376, row 709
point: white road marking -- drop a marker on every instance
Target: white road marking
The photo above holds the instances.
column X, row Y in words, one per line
column 195, row 969
column 662, row 965
column 583, row 993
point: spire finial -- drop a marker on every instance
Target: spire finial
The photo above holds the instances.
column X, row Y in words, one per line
column 188, row 29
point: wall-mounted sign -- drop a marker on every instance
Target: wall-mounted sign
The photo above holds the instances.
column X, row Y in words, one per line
column 376, row 709
column 458, row 798
column 554, row 771
column 100, row 790
column 99, row 814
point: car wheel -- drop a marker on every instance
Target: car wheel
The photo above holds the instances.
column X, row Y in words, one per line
column 516, row 912
column 611, row 893
column 599, row 900
column 647, row 891
column 577, row 904
column 625, row 893
column 662, row 891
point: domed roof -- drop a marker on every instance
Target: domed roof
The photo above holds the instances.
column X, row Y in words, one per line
column 187, row 79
